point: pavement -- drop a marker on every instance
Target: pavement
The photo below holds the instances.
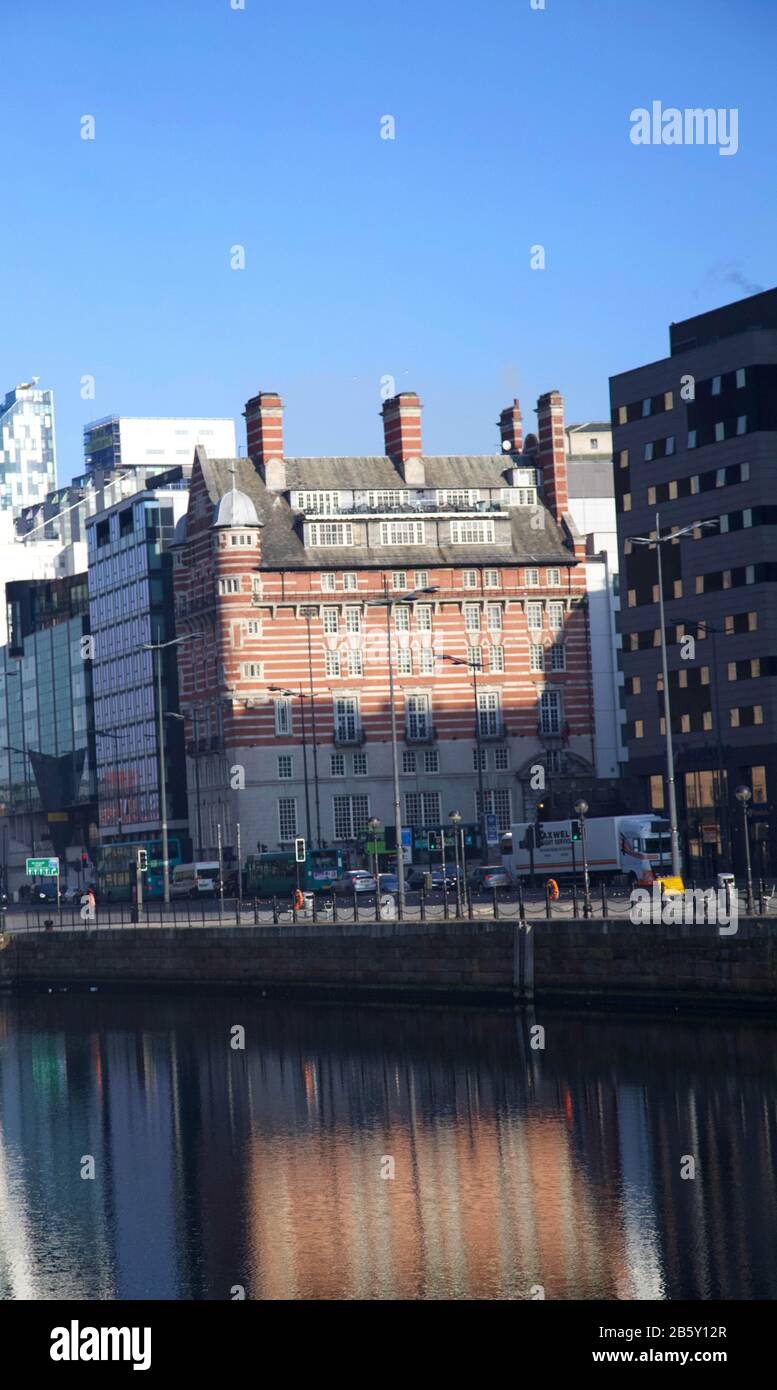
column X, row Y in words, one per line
column 21, row 918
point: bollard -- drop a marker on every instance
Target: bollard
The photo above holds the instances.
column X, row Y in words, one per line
column 574, row 900
column 355, row 906
column 422, row 902
column 548, row 910
column 521, row 903
column 315, row 908
column 334, row 906
column 275, row 910
column 604, row 899
column 377, row 903
column 468, row 903
column 444, row 900
column 761, row 895
column 256, row 912
column 293, row 910
column 496, row 904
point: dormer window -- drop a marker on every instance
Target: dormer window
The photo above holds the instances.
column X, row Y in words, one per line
column 320, row 503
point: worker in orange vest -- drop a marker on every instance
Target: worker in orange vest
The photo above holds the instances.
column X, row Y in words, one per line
column 299, row 900
column 552, row 888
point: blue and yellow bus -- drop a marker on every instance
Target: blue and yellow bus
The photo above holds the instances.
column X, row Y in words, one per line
column 275, row 875
column 116, row 868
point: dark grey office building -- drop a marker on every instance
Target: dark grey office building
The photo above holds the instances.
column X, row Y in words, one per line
column 695, row 439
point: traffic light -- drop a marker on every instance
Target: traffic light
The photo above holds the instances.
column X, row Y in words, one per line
column 433, row 845
column 299, row 850
column 574, row 829
column 142, row 860
column 84, row 858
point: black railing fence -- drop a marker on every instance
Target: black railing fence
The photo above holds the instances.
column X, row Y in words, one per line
column 520, row 901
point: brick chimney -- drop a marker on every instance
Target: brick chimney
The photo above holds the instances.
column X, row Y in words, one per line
column 402, row 435
column 551, row 459
column 511, row 428
column 264, row 437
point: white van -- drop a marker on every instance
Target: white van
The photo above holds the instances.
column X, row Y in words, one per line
column 192, row 880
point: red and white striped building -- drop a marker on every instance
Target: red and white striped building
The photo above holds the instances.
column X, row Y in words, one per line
column 277, row 570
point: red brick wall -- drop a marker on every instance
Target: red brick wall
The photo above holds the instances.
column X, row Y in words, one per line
column 282, row 646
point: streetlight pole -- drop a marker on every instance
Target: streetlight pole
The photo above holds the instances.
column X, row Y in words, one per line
column 395, row 762
column 581, row 809
column 658, row 540
column 373, row 825
column 389, row 603
column 157, row 648
column 457, row 661
column 455, row 818
column 743, row 795
column 307, row 614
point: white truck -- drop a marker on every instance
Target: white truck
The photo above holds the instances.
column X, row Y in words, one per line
column 638, row 847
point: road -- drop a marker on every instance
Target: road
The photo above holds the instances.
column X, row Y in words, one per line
column 20, row 918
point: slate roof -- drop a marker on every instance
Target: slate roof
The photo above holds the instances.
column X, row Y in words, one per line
column 282, row 545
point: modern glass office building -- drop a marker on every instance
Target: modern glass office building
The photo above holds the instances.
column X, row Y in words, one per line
column 28, row 468
column 130, row 599
column 47, row 775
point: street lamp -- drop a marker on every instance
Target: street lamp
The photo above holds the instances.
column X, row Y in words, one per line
column 458, row 661
column 389, row 601
column 658, row 540
column 157, row 648
column 743, row 795
column 291, row 694
column 581, row 810
column 373, row 825
column 307, row 613
column 455, row 818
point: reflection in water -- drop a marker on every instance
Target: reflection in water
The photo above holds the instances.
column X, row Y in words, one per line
column 513, row 1167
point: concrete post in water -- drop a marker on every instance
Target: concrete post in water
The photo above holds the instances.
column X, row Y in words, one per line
column 523, row 960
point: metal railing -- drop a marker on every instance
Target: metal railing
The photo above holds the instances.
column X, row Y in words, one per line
column 432, row 907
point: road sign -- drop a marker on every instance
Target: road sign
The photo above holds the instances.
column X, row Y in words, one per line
column 407, row 844
column 492, row 829
column 43, row 868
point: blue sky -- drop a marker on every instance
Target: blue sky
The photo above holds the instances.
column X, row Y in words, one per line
column 367, row 257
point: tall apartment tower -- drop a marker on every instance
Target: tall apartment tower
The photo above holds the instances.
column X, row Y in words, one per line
column 28, row 468
column 695, row 438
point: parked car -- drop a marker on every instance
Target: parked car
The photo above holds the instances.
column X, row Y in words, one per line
column 418, row 876
column 355, row 881
column 39, row 893
column 72, row 894
column 488, row 876
column 389, row 883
